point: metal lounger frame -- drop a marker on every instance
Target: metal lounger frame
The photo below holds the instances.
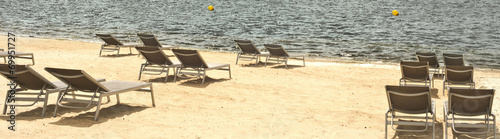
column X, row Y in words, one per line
column 391, row 113
column 489, row 118
column 202, row 67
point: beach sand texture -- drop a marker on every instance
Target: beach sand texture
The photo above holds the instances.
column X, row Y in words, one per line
column 322, row 100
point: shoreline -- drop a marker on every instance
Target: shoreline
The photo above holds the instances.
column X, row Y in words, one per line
column 309, row 57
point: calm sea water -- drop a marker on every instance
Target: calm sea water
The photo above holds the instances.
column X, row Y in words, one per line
column 345, row 29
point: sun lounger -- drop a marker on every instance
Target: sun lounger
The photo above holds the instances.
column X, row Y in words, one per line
column 191, row 60
column 278, row 52
column 89, row 89
column 249, row 51
column 453, row 59
column 150, row 41
column 415, row 72
column 469, row 109
column 22, row 55
column 431, row 58
column 407, row 106
column 32, row 87
column 156, row 61
column 112, row 44
column 458, row 75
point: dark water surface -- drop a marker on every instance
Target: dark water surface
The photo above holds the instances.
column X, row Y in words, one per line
column 352, row 29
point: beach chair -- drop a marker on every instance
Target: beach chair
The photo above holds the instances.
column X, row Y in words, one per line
column 191, row 60
column 278, row 52
column 453, row 59
column 249, row 51
column 88, row 89
column 31, row 87
column 415, row 72
column 469, row 109
column 409, row 104
column 156, row 61
column 458, row 75
column 431, row 58
column 112, row 44
column 150, row 41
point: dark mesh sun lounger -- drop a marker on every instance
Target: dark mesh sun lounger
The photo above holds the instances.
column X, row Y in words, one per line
column 192, row 60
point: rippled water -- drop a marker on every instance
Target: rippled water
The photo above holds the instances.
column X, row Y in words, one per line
column 351, row 29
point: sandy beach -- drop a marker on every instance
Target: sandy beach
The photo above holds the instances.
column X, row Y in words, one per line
column 324, row 99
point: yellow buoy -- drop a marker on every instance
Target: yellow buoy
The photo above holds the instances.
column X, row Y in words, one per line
column 211, row 8
column 395, row 13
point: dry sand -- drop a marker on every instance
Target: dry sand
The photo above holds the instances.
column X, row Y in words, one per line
column 322, row 100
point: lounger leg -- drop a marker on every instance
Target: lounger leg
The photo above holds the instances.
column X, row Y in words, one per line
column 494, row 127
column 4, row 109
column 57, row 100
column 267, row 58
column 117, row 99
column 109, row 99
column 130, row 48
column 45, row 104
column 140, row 71
column 203, row 81
column 385, row 122
column 5, row 105
column 257, row 60
column 434, row 124
column 304, row 61
column 33, row 59
column 101, row 50
column 230, row 71
column 118, row 54
column 445, row 123
column 286, row 62
column 237, row 57
column 98, row 108
column 166, row 78
column 176, row 71
column 152, row 96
